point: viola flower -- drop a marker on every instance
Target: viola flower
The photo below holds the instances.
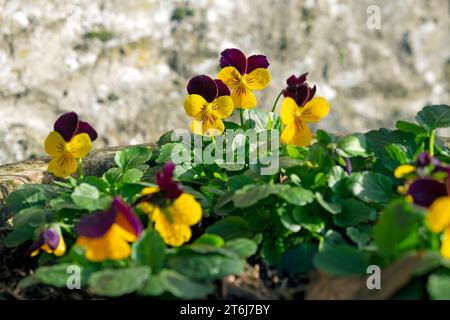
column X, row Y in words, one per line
column 243, row 76
column 70, row 140
column 438, row 220
column 208, row 103
column 51, row 241
column 108, row 234
column 300, row 108
column 172, row 211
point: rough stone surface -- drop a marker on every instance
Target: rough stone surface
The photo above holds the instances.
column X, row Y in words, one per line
column 123, row 65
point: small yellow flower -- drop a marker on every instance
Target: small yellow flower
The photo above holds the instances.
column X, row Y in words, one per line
column 243, row 76
column 50, row 241
column 296, row 119
column 70, row 140
column 438, row 220
column 208, row 103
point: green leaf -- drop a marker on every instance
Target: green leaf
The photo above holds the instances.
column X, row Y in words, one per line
column 25, row 223
column 26, row 196
column 272, row 250
column 396, row 230
column 231, row 227
column 132, row 176
column 154, row 286
column 331, row 207
column 409, row 127
column 298, row 260
column 371, row 187
column 176, row 152
column 58, row 275
column 88, row 197
column 205, row 267
column 183, row 287
column 210, row 239
column 335, row 175
column 308, row 219
column 296, row 195
column 438, row 285
column 357, row 236
column 353, row 212
column 149, row 250
column 342, row 261
column 251, row 194
column 433, row 117
column 133, row 158
column 353, row 145
column 320, row 155
column 242, row 246
column 117, row 282
column 112, row 176
column 261, row 120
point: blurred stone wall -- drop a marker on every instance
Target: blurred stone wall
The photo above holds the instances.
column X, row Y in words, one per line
column 123, row 65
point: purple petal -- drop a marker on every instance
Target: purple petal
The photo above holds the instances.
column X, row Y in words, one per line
column 97, row 224
column 222, row 89
column 66, row 125
column 348, row 166
column 171, row 189
column 133, row 220
column 84, row 127
column 234, row 58
column 425, row 159
column 425, row 191
column 203, row 86
column 293, row 81
column 51, row 238
column 255, row 62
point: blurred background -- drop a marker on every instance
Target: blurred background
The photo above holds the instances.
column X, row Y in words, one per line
column 124, row 65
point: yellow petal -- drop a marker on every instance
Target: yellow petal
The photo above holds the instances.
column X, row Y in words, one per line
column 54, row 144
column 288, row 110
column 445, row 246
column 186, row 210
column 230, row 76
column 438, row 217
column 297, row 134
column 173, row 234
column 193, row 104
column 149, row 190
column 61, row 249
column 258, row 79
column 315, row 109
column 403, row 170
column 211, row 127
column 80, row 145
column 243, row 97
column 222, row 107
column 62, row 166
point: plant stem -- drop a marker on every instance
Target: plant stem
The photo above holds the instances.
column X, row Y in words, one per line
column 432, row 139
column 276, row 101
column 241, row 114
column 80, row 169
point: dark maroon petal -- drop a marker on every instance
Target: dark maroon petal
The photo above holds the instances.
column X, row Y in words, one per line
column 84, row 127
column 234, row 58
column 222, row 89
column 293, row 81
column 203, row 86
column 170, row 188
column 312, row 92
column 255, row 62
column 122, row 208
column 302, row 94
column 97, row 224
column 66, row 125
column 425, row 191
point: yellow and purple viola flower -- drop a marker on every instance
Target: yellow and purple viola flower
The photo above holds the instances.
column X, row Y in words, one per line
column 243, row 76
column 51, row 241
column 208, row 103
column 70, row 140
column 172, row 211
column 299, row 108
column 107, row 235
